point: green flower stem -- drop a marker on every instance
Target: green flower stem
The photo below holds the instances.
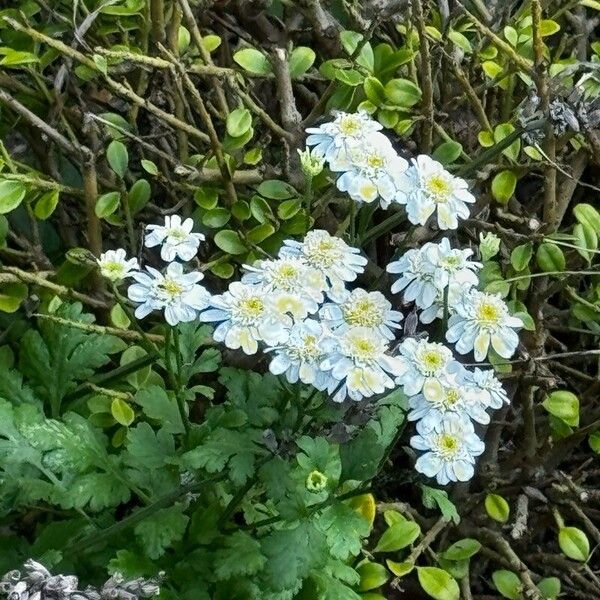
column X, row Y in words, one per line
column 175, row 376
column 548, row 273
column 378, row 230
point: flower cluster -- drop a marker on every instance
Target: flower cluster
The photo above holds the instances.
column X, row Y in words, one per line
column 445, row 398
column 371, row 170
column 301, row 311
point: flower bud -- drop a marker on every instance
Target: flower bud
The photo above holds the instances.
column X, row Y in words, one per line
column 311, row 164
column 316, row 481
column 489, row 245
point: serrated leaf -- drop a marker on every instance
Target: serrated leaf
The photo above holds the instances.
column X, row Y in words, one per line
column 227, row 560
column 161, row 530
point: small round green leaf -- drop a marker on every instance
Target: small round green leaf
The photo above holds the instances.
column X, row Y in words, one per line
column 508, row 584
column 11, row 296
column 149, row 166
column 216, row 217
column 11, row 195
column 45, row 204
column 398, row 536
column 574, row 543
column 374, row 91
column 549, row 587
column 107, row 204
column 252, row 61
column 550, row 258
column 564, row 405
column 503, row 186
column 497, row 508
column 402, row 92
column 301, row 60
column 117, row 157
column 229, row 241
column 122, row 412
column 274, row 189
column 448, row 152
column 238, row 122
column 462, row 550
column 139, row 195
column 588, row 215
column 372, row 575
column 521, row 255
column 438, row 584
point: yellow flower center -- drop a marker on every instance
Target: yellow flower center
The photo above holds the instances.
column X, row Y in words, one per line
column 452, row 397
column 451, row 262
column 171, row 288
column 363, row 313
column 363, row 348
column 113, row 267
column 375, row 161
column 251, row 308
column 439, row 188
column 349, row 126
column 448, row 445
column 324, row 253
column 178, row 233
column 284, row 275
column 432, row 361
column 488, row 313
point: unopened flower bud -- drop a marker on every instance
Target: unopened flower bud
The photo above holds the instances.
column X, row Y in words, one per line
column 489, row 245
column 316, row 481
column 311, row 164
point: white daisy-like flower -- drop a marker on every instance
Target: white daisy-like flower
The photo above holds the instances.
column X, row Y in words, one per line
column 451, row 394
column 487, row 380
column 452, row 265
column 246, row 316
column 175, row 238
column 297, row 288
column 417, row 277
column 370, row 172
column 423, row 361
column 360, row 308
column 426, row 187
column 360, row 365
column 332, row 140
column 175, row 292
column 300, row 357
column 450, row 448
column 330, row 255
column 115, row 266
column 481, row 319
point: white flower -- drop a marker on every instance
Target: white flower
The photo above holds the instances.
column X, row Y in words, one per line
column 489, row 245
column 426, row 187
column 423, row 361
column 487, row 380
column 371, row 171
column 115, row 266
column 360, row 308
column 297, row 288
column 450, row 449
column 175, row 292
column 176, row 238
column 360, row 364
column 328, row 254
column 451, row 394
column 246, row 316
column 481, row 319
column 416, row 278
column 332, row 140
column 300, row 357
column 451, row 265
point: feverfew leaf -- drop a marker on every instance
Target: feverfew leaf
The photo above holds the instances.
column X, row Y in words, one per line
column 229, row 562
column 344, row 528
column 161, row 530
